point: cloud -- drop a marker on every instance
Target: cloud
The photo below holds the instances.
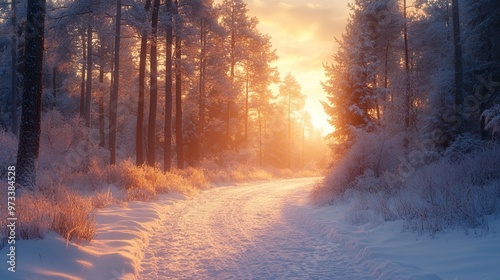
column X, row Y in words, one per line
column 323, row 18
column 303, row 33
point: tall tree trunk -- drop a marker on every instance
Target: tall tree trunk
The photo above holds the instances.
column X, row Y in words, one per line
column 231, row 76
column 13, row 84
column 84, row 72
column 458, row 60
column 377, row 102
column 139, row 131
column 101, row 106
column 407, row 77
column 228, row 128
column 407, row 69
column 54, row 83
column 303, row 142
column 289, row 131
column 167, row 150
column 386, row 72
column 113, row 104
column 29, row 137
column 88, row 94
column 260, row 137
column 201, row 124
column 153, row 91
column 246, row 103
column 178, row 97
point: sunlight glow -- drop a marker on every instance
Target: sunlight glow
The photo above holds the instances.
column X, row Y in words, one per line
column 303, row 34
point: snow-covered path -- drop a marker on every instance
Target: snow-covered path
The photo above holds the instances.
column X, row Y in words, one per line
column 262, row 230
column 251, row 231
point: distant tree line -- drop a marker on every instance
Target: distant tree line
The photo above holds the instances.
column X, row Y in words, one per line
column 158, row 81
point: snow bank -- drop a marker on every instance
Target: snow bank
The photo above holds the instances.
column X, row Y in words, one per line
column 387, row 252
column 115, row 252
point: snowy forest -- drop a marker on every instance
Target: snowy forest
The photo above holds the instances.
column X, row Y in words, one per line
column 105, row 105
column 150, row 96
column 413, row 96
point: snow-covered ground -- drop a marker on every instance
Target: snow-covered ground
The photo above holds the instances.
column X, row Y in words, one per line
column 265, row 230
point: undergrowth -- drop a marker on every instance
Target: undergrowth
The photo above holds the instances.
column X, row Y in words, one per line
column 430, row 189
column 73, row 180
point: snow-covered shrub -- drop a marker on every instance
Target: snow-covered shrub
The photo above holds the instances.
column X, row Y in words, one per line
column 67, row 146
column 430, row 191
column 492, row 119
column 451, row 193
column 8, row 150
column 463, row 145
column 365, row 163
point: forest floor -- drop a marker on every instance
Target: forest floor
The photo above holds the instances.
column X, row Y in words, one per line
column 260, row 230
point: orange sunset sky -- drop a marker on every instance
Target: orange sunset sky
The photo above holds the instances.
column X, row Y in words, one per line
column 303, row 34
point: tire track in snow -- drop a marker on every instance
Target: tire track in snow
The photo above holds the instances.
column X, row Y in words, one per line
column 242, row 232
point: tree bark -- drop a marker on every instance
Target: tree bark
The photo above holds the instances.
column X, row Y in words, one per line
column 13, row 84
column 260, row 137
column 178, row 97
column 201, row 124
column 246, row 103
column 84, row 72
column 88, row 95
column 29, row 137
column 458, row 60
column 290, row 131
column 139, row 131
column 101, row 107
column 153, row 91
column 54, row 83
column 113, row 104
column 407, row 69
column 231, row 76
column 167, row 150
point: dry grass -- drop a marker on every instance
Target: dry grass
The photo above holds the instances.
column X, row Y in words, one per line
column 57, row 209
column 72, row 216
column 58, row 204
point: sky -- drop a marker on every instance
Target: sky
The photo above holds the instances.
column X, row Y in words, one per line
column 303, row 34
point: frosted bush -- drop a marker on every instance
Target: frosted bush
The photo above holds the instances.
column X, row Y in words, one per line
column 67, row 146
column 369, row 159
column 102, row 199
column 430, row 192
column 492, row 119
column 463, row 145
column 450, row 194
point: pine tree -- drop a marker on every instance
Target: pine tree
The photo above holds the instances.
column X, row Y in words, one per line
column 349, row 87
column 29, row 137
column 167, row 149
column 179, row 142
column 294, row 100
column 153, row 93
column 14, row 73
column 139, row 132
column 113, row 104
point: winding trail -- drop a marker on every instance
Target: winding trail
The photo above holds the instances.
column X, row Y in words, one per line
column 252, row 231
